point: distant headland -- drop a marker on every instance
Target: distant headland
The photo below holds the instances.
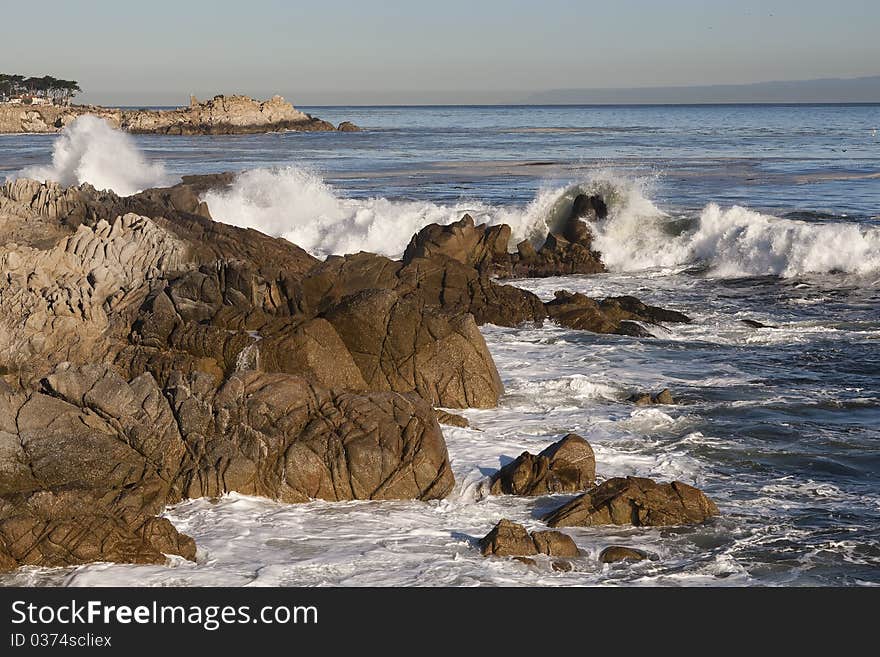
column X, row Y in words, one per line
column 42, row 105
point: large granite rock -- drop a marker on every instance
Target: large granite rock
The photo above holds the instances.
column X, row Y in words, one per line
column 566, row 466
column 635, row 501
column 88, row 462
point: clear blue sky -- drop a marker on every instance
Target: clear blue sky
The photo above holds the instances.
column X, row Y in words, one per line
column 341, row 51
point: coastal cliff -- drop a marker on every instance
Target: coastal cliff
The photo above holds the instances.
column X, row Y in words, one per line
column 221, row 115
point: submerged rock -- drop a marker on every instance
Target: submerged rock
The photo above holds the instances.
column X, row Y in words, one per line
column 564, row 467
column 648, row 399
column 615, row 553
column 635, row 501
column 509, row 539
column 451, row 419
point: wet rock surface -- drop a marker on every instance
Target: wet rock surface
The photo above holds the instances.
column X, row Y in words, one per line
column 636, row 501
column 566, row 466
column 509, row 539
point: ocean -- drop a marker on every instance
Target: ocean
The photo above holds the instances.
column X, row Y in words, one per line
column 727, row 213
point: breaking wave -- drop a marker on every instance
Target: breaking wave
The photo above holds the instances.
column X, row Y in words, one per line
column 90, row 150
column 298, row 205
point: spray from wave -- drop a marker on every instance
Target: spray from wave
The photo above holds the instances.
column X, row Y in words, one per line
column 90, row 150
column 298, row 205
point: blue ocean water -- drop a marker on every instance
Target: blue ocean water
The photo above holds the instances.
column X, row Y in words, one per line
column 766, row 213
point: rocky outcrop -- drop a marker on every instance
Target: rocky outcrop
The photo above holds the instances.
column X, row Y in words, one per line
column 635, row 501
column 508, row 539
column 221, row 115
column 620, row 315
column 566, row 466
column 87, row 462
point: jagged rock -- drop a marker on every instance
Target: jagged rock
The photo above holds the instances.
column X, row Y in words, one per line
column 612, row 315
column 615, row 553
column 565, row 466
column 400, row 344
column 452, row 419
column 647, row 399
column 88, row 462
column 635, row 501
column 348, row 126
column 478, row 246
column 509, row 539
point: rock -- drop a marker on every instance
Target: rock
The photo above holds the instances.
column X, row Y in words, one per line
column 562, row 566
column 480, row 246
column 555, row 544
column 348, row 126
column 87, row 464
column 635, row 501
column 664, row 397
column 564, row 467
column 647, row 399
column 233, row 114
column 627, row 307
column 400, row 344
column 453, row 420
column 755, row 324
column 613, row 315
column 615, row 553
column 509, row 539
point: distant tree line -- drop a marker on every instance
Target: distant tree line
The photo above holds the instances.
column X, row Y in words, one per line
column 60, row 91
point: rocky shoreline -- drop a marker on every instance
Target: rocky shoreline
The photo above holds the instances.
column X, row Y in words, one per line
column 151, row 354
column 221, row 115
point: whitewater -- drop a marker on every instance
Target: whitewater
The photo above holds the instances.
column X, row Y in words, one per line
column 751, row 218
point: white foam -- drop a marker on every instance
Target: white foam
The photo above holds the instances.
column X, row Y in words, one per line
column 733, row 242
column 90, row 150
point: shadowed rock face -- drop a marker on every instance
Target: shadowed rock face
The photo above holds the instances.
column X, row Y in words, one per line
column 563, row 467
column 612, row 315
column 635, row 501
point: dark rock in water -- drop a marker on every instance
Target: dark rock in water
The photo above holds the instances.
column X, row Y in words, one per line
column 633, row 329
column 631, row 308
column 635, row 501
column 555, row 544
column 589, row 206
column 562, row 566
column 452, row 419
column 618, row 315
column 615, row 553
column 348, row 126
column 509, row 539
column 756, row 324
column 647, row 399
column 566, row 466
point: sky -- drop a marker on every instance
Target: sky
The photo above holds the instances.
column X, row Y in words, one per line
column 475, row 51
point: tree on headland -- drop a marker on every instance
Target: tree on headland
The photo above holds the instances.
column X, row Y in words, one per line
column 47, row 86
